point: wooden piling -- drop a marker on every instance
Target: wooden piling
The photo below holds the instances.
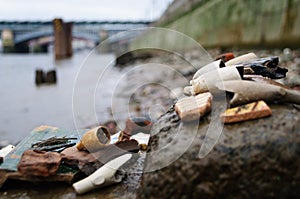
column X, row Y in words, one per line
column 63, row 39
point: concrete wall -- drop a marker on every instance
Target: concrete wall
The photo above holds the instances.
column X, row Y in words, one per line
column 219, row 23
column 177, row 9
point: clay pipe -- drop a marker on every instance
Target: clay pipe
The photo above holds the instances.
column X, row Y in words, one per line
column 240, row 59
column 94, row 139
column 209, row 67
column 103, row 176
column 207, row 81
column 248, row 91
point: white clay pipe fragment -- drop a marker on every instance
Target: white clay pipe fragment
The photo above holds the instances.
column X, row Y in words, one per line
column 209, row 67
column 142, row 139
column 249, row 91
column 6, row 150
column 240, row 59
column 103, row 176
column 207, row 81
column 115, row 138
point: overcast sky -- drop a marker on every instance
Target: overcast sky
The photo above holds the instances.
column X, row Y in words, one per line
column 82, row 9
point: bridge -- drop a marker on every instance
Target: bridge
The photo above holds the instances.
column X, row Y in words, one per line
column 25, row 33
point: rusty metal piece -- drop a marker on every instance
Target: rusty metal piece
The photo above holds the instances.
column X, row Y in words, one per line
column 249, row 91
column 53, row 144
column 240, row 59
column 246, row 112
column 94, row 139
column 40, row 163
column 225, row 57
column 191, row 108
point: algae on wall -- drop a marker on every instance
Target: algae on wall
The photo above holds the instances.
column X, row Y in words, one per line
column 237, row 23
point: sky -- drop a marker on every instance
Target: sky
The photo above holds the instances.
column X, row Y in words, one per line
column 82, row 9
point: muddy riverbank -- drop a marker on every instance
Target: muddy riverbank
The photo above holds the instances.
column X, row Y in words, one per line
column 251, row 158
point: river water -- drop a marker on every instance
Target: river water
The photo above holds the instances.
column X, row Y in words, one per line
column 24, row 106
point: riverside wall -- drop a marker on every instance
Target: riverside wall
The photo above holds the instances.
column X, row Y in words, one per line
column 232, row 23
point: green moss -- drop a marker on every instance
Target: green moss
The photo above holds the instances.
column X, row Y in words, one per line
column 237, row 22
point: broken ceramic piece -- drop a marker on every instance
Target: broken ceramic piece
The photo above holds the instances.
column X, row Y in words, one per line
column 207, row 81
column 115, row 137
column 39, row 163
column 191, row 108
column 273, row 73
column 6, row 150
column 249, row 91
column 142, row 139
column 90, row 162
column 123, row 136
column 103, row 176
column 209, row 67
column 270, row 62
column 138, row 124
column 261, row 79
column 246, row 112
column 266, row 67
column 94, row 139
column 240, row 59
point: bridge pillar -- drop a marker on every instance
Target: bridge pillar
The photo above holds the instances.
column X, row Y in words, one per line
column 105, row 48
column 62, row 39
column 7, row 37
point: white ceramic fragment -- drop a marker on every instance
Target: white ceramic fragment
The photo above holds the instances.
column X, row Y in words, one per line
column 209, row 67
column 103, row 176
column 240, row 59
column 141, row 138
column 249, row 91
column 6, row 150
column 115, row 138
column 207, row 81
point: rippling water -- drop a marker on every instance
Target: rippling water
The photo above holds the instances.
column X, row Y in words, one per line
column 24, row 105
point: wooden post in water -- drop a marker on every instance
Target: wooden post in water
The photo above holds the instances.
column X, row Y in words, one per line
column 62, row 39
column 68, row 38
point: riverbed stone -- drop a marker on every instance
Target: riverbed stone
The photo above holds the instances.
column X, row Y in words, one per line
column 253, row 159
column 39, row 163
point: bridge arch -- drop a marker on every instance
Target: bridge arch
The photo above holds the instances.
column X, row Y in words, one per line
column 35, row 35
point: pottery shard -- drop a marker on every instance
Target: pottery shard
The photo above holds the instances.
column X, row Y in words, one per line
column 250, row 111
column 39, row 163
column 191, row 108
column 90, row 162
column 138, row 124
